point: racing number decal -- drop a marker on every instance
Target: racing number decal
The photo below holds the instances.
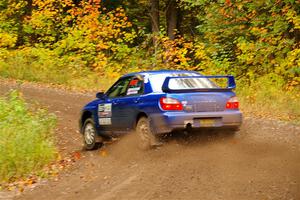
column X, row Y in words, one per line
column 104, row 113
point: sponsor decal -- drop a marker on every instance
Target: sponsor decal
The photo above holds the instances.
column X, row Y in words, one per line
column 104, row 113
column 105, row 121
column 133, row 82
column 107, row 107
column 132, row 91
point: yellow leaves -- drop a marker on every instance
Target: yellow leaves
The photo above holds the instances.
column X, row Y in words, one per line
column 294, row 55
column 258, row 31
column 200, row 52
column 94, row 33
column 174, row 53
column 293, row 18
column 286, row 8
column 239, row 6
column 100, row 46
column 292, row 84
column 223, row 11
column 100, row 62
column 13, row 7
column 7, row 40
column 51, row 5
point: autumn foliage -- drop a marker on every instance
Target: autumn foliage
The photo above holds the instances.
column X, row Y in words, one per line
column 75, row 42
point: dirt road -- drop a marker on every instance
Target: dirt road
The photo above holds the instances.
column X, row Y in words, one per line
column 261, row 162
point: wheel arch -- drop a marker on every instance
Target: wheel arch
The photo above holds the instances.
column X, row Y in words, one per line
column 84, row 116
column 139, row 116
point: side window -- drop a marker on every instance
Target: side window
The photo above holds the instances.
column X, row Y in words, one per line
column 119, row 89
column 135, row 87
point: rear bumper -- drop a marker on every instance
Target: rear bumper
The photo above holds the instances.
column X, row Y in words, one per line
column 168, row 121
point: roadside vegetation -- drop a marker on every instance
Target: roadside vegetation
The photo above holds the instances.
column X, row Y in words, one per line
column 88, row 44
column 26, row 144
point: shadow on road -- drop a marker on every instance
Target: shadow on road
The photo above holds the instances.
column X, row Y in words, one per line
column 197, row 137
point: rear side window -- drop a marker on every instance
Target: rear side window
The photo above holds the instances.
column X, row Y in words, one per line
column 135, row 87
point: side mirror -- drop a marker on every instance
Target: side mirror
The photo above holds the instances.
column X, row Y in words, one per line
column 100, row 95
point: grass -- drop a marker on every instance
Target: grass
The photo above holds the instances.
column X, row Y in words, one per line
column 26, row 144
column 269, row 99
column 44, row 66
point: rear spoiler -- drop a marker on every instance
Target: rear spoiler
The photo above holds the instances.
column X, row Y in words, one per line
column 230, row 84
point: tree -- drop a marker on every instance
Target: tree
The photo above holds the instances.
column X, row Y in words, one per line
column 154, row 15
column 172, row 17
column 172, row 12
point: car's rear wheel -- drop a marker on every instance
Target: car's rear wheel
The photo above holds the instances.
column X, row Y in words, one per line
column 145, row 134
column 89, row 135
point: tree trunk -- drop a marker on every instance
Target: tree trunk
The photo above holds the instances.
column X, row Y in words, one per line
column 172, row 17
column 154, row 15
column 20, row 21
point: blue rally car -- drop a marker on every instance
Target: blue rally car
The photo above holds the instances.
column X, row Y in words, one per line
column 158, row 102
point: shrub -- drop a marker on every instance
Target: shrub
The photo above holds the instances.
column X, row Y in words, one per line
column 26, row 143
column 268, row 97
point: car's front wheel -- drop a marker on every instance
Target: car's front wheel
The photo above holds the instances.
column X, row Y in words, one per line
column 146, row 136
column 89, row 135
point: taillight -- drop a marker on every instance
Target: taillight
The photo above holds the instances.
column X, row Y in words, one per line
column 232, row 103
column 168, row 103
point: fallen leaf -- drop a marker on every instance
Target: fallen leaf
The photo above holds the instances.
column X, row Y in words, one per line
column 103, row 153
column 21, row 189
column 77, row 155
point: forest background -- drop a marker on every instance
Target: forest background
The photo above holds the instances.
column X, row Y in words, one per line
column 89, row 44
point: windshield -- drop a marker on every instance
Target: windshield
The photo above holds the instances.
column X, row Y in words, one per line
column 157, row 80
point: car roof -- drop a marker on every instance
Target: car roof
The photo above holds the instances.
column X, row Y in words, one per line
column 152, row 72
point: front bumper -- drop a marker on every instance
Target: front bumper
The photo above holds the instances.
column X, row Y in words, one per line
column 168, row 121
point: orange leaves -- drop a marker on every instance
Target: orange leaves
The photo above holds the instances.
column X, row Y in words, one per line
column 99, row 26
column 175, row 53
column 103, row 153
column 228, row 2
column 76, row 155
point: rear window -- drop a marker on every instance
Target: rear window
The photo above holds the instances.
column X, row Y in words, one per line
column 191, row 83
column 157, row 80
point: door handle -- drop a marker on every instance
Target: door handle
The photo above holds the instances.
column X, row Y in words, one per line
column 115, row 102
column 137, row 100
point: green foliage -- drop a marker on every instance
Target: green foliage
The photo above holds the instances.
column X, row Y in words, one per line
column 255, row 37
column 26, row 144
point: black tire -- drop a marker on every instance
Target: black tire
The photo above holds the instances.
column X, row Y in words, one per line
column 89, row 135
column 145, row 134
